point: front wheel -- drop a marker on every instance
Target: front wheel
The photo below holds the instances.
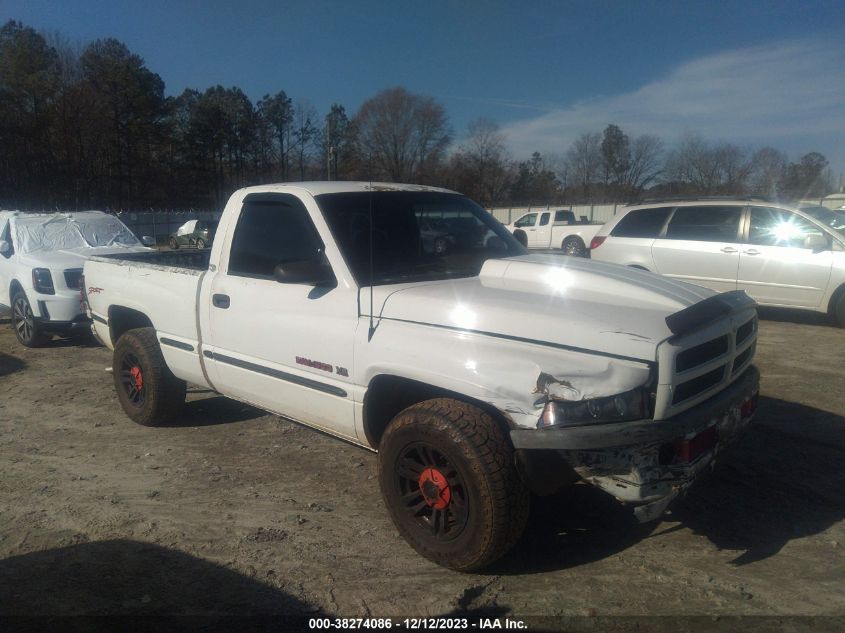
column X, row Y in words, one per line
column 174, row 243
column 27, row 331
column 448, row 479
column 200, row 244
column 147, row 390
column 574, row 247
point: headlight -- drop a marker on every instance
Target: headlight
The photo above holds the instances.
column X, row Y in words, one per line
column 631, row 405
column 42, row 281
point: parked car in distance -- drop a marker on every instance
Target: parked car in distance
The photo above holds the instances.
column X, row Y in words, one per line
column 41, row 257
column 478, row 374
column 834, row 218
column 781, row 256
column 197, row 233
column 538, row 229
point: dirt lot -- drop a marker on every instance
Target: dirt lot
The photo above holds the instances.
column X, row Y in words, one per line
column 232, row 511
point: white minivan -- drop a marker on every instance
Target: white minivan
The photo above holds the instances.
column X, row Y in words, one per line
column 779, row 255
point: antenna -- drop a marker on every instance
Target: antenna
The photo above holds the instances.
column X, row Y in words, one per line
column 372, row 274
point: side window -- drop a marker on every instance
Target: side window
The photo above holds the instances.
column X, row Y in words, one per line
column 526, row 220
column 272, row 230
column 779, row 227
column 705, row 224
column 642, row 223
column 544, row 219
column 560, row 216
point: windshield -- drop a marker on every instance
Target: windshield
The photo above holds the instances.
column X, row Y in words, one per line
column 63, row 232
column 416, row 235
column 833, row 219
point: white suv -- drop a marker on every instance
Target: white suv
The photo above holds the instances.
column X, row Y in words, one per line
column 779, row 255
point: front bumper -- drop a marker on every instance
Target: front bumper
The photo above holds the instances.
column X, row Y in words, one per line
column 647, row 463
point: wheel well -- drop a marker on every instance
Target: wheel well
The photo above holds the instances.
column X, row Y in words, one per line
column 388, row 395
column 123, row 319
column 13, row 288
column 834, row 299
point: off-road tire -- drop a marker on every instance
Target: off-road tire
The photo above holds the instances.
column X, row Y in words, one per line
column 160, row 395
column 173, row 243
column 27, row 330
column 477, row 459
column 521, row 237
column 574, row 247
column 200, row 244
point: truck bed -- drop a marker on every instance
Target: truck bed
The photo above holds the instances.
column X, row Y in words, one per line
column 188, row 261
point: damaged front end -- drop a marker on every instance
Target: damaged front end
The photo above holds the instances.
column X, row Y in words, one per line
column 614, row 443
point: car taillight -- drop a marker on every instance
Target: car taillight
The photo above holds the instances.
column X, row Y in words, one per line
column 597, row 241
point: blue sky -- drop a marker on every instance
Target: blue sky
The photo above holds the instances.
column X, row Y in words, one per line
column 753, row 73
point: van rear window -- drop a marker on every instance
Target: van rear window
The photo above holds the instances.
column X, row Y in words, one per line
column 642, row 223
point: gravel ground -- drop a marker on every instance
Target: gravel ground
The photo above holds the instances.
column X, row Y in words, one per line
column 233, row 511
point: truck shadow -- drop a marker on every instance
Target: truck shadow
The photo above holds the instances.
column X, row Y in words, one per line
column 783, row 481
column 131, row 578
column 10, row 364
column 213, row 411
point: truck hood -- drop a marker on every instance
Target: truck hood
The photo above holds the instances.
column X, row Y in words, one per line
column 549, row 299
column 72, row 258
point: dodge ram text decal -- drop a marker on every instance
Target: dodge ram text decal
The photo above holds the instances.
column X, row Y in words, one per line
column 342, row 371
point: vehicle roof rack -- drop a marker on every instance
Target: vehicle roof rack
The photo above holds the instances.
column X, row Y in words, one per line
column 702, row 198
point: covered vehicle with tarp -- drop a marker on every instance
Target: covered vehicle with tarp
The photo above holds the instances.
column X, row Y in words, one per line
column 197, row 233
column 41, row 257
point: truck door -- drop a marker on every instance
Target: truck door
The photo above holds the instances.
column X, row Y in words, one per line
column 286, row 347
column 543, row 234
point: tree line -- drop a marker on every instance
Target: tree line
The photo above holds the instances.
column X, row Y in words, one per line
column 91, row 127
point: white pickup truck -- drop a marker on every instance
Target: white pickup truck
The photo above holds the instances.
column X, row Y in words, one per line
column 479, row 373
column 555, row 229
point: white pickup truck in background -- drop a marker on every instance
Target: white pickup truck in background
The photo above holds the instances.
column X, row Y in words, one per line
column 555, row 229
column 476, row 371
column 41, row 256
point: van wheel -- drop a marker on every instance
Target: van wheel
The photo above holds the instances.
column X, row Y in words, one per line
column 148, row 392
column 23, row 321
column 449, row 481
column 574, row 247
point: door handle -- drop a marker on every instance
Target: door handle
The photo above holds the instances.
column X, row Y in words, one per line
column 220, row 301
column 728, row 249
column 751, row 252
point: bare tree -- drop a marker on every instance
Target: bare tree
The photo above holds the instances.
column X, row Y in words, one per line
column 305, row 134
column 768, row 171
column 402, row 135
column 644, row 166
column 585, row 161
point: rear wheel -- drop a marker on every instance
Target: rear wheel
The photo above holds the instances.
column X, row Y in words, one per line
column 148, row 392
column 174, row 243
column 574, row 247
column 448, row 479
column 27, row 331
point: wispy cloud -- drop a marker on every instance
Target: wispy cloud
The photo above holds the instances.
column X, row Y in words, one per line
column 790, row 95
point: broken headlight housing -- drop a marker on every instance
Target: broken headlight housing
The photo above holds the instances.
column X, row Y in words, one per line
column 623, row 407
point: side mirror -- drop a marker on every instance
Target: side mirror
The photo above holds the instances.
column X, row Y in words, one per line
column 310, row 272
column 148, row 240
column 816, row 242
column 5, row 247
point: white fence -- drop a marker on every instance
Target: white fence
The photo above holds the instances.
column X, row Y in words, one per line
column 591, row 212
